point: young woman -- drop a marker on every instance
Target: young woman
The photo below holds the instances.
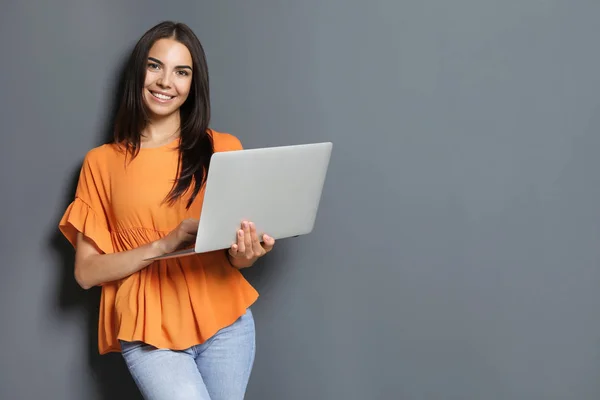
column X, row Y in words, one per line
column 183, row 325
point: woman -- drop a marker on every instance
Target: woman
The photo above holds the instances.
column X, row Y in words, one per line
column 183, row 325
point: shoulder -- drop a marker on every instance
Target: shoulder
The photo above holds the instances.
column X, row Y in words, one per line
column 94, row 175
column 225, row 141
column 100, row 157
column 99, row 161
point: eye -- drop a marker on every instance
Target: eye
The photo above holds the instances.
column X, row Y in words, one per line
column 153, row 66
column 183, row 73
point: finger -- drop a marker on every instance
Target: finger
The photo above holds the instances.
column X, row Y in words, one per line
column 186, row 237
column 256, row 247
column 189, row 226
column 233, row 250
column 190, row 238
column 241, row 242
column 248, row 239
column 268, row 243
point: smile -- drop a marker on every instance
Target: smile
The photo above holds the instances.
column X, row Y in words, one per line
column 161, row 96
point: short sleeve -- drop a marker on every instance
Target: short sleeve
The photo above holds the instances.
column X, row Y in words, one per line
column 87, row 212
column 236, row 144
column 226, row 142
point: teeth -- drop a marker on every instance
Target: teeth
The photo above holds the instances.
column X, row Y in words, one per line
column 162, row 96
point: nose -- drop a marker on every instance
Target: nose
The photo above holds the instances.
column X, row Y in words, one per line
column 164, row 80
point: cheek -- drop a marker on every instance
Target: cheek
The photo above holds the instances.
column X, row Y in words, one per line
column 184, row 88
column 148, row 80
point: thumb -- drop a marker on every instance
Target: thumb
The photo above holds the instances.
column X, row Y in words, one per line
column 268, row 242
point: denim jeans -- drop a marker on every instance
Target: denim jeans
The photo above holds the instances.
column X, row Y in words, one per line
column 218, row 369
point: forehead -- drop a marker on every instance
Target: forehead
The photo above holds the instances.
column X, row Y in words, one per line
column 170, row 51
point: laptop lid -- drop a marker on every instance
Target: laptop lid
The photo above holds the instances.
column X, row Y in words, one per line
column 277, row 188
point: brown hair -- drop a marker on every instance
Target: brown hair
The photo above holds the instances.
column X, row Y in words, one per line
column 196, row 146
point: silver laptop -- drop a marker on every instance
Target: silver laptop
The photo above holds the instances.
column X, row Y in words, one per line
column 277, row 188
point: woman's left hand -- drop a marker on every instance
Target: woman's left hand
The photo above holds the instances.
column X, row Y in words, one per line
column 248, row 247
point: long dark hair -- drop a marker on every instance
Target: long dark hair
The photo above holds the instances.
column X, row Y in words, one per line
column 196, row 145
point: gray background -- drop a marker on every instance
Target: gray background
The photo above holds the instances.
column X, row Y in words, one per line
column 456, row 251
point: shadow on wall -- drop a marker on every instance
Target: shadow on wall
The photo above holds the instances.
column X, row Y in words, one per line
column 109, row 371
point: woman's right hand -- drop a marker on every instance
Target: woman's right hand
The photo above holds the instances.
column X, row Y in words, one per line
column 184, row 234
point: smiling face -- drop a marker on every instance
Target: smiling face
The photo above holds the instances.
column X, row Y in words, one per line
column 168, row 77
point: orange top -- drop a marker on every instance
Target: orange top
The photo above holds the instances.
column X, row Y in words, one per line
column 174, row 303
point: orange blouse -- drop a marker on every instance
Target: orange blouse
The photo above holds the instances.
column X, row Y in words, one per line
column 174, row 303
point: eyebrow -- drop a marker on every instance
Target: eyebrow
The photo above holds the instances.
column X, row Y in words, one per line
column 161, row 63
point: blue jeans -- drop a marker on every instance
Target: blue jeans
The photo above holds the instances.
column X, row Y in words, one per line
column 218, row 369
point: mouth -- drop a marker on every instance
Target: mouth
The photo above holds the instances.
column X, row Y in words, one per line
column 161, row 96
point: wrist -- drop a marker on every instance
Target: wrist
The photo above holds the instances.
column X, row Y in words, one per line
column 159, row 247
column 239, row 262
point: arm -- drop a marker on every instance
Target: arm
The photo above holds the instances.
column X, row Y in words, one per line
column 93, row 268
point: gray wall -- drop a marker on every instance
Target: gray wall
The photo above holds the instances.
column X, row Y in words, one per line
column 456, row 253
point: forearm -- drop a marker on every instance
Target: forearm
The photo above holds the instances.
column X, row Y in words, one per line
column 97, row 269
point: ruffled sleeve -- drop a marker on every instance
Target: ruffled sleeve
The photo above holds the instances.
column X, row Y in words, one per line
column 87, row 213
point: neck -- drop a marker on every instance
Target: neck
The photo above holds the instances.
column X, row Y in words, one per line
column 161, row 130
